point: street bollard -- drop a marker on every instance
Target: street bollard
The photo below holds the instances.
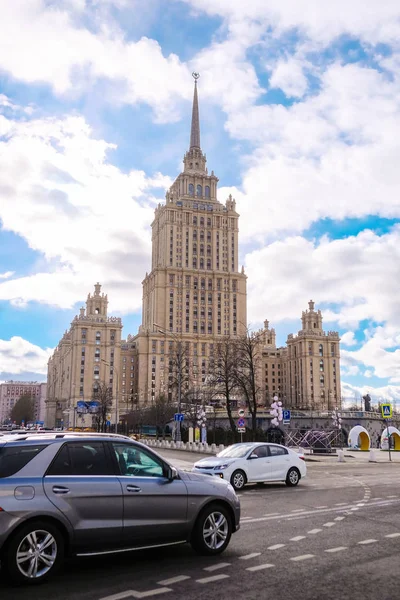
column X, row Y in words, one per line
column 213, row 449
column 372, row 457
column 340, row 456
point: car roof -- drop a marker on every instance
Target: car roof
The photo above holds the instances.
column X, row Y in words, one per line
column 56, row 436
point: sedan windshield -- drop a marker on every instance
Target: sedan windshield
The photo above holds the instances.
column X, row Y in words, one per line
column 236, row 451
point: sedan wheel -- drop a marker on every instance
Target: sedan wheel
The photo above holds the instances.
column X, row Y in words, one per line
column 34, row 553
column 238, row 480
column 212, row 531
column 293, row 477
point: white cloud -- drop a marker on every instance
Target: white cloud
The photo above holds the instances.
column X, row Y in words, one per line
column 89, row 219
column 20, row 356
column 6, row 275
column 353, row 394
column 348, row 339
column 288, row 75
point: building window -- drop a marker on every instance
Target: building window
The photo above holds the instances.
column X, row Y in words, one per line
column 332, row 349
column 98, row 337
column 321, row 350
column 321, row 366
column 191, row 192
column 199, row 191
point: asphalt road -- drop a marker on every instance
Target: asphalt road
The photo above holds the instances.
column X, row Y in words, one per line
column 337, row 535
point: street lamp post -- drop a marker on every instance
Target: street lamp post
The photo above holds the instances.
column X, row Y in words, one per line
column 178, row 434
column 116, row 393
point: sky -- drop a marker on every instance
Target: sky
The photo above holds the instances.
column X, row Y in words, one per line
column 300, row 120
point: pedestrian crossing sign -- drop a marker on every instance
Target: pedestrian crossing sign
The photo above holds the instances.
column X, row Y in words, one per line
column 386, row 411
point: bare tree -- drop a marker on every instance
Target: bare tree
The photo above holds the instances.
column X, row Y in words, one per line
column 223, row 374
column 247, row 372
column 23, row 410
column 161, row 412
column 102, row 393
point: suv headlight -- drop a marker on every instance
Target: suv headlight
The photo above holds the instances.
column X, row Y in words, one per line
column 221, row 467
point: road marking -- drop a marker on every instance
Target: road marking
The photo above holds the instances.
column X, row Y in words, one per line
column 378, row 498
column 338, row 549
column 298, row 510
column 392, row 535
column 134, row 594
column 213, row 578
column 173, row 580
column 298, row 538
column 330, row 524
column 249, row 556
column 302, row 557
column 395, row 496
column 318, row 507
column 354, row 509
column 260, row 567
column 312, row 531
column 217, row 566
column 361, row 504
column 276, row 546
column 339, row 518
column 340, row 503
column 271, row 514
column 364, row 542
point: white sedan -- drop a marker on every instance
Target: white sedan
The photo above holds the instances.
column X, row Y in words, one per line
column 254, row 463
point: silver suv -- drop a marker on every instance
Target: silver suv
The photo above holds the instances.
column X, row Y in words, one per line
column 63, row 494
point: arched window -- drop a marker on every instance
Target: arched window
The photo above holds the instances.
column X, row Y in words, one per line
column 191, row 191
column 207, row 191
column 199, row 191
column 195, row 263
column 208, row 222
column 209, row 264
column 194, row 249
column 194, row 220
column 321, row 366
column 322, row 380
column 202, row 263
column 195, row 234
column 321, row 350
column 310, row 348
column 98, row 337
column 201, row 249
column 202, row 222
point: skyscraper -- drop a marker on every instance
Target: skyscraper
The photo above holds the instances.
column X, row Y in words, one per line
column 194, row 292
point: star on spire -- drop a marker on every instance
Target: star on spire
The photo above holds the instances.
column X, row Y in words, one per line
column 195, row 128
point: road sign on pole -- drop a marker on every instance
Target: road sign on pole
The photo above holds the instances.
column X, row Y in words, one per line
column 241, row 429
column 286, row 417
column 386, row 411
column 241, row 422
column 179, row 417
column 241, row 412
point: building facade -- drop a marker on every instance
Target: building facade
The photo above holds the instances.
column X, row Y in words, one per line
column 195, row 293
column 305, row 374
column 11, row 392
column 91, row 351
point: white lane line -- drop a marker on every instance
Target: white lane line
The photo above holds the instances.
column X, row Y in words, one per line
column 260, row 567
column 378, row 498
column 312, row 531
column 354, row 509
column 296, row 510
column 298, row 538
column 213, row 578
column 276, row 546
column 361, row 504
column 340, row 503
column 135, row 594
column 173, row 580
column 338, row 549
column 330, row 524
column 249, row 556
column 392, row 535
column 302, row 557
column 271, row 514
column 365, row 542
column 339, row 518
column 217, row 566
column 324, row 506
column 393, row 496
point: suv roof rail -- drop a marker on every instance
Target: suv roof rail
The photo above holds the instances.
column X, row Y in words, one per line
column 60, row 435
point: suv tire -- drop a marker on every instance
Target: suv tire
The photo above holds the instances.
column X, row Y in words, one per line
column 212, row 531
column 33, row 553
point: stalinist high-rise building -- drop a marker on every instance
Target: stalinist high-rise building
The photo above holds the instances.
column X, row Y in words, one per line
column 195, row 293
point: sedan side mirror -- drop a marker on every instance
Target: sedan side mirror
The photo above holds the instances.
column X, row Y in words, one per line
column 252, row 456
column 172, row 474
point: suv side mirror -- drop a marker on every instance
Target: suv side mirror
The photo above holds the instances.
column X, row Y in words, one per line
column 172, row 474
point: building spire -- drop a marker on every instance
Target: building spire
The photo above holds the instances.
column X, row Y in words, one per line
column 195, row 129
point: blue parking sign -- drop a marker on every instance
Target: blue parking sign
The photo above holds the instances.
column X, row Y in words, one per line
column 286, row 417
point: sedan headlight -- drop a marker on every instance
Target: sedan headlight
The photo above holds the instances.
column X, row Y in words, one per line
column 221, row 467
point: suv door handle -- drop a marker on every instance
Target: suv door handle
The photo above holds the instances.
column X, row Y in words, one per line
column 60, row 490
column 133, row 488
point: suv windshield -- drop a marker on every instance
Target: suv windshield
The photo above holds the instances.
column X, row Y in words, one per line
column 14, row 458
column 236, row 451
